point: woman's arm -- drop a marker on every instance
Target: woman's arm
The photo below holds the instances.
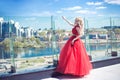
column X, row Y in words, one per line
column 67, row 21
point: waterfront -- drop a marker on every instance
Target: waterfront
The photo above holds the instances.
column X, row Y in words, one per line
column 47, row 51
column 33, row 58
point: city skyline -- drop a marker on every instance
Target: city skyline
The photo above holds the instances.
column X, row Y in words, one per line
column 38, row 22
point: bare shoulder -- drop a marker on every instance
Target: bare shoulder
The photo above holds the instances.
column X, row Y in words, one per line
column 78, row 28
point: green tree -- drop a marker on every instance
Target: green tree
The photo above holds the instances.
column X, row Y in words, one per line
column 18, row 44
column 38, row 41
column 32, row 38
column 117, row 31
column 42, row 33
column 6, row 43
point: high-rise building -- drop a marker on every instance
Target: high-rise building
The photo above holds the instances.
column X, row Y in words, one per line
column 11, row 27
column 28, row 32
column 5, row 29
column 1, row 21
column 21, row 32
column 17, row 27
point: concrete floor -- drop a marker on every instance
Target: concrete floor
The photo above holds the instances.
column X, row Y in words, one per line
column 104, row 73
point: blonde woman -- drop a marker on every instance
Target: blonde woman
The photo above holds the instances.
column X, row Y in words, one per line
column 73, row 58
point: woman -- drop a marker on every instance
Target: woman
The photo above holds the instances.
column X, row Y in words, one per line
column 73, row 56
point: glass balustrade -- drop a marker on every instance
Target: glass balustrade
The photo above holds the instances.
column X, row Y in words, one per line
column 38, row 47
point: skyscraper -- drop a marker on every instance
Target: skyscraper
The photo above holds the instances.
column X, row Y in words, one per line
column 1, row 21
column 12, row 27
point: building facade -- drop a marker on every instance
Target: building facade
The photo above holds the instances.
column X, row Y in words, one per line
column 10, row 27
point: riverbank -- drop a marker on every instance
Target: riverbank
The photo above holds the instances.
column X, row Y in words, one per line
column 22, row 43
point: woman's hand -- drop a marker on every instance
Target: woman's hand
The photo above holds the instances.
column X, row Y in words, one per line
column 72, row 43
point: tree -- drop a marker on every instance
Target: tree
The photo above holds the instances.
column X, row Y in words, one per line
column 32, row 38
column 42, row 33
column 18, row 44
column 38, row 41
column 117, row 31
column 6, row 43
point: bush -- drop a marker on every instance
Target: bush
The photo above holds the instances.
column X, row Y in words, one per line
column 18, row 44
column 38, row 41
column 6, row 43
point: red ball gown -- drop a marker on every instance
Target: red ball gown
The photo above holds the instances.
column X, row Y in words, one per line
column 73, row 59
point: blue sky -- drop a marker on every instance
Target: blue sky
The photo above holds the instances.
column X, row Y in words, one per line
column 59, row 7
column 27, row 11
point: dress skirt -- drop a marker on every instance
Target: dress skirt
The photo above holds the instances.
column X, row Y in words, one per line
column 74, row 59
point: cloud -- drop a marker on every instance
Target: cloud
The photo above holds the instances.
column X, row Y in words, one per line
column 59, row 12
column 114, row 15
column 112, row 2
column 101, row 7
column 72, row 8
column 86, row 12
column 94, row 3
column 30, row 18
column 44, row 13
column 101, row 15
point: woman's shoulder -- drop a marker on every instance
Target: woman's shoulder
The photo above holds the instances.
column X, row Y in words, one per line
column 77, row 26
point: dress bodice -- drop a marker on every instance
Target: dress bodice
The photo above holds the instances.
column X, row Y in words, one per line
column 74, row 31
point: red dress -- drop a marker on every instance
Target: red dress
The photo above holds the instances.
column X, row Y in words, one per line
column 73, row 58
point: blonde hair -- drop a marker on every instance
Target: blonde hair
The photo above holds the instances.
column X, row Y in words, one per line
column 80, row 23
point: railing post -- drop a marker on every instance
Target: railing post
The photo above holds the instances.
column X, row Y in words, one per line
column 53, row 42
column 13, row 69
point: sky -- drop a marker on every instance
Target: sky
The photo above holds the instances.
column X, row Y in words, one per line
column 36, row 13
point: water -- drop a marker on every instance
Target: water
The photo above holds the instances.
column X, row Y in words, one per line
column 27, row 52
column 36, row 52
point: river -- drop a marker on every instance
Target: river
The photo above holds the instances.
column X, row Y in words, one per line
column 36, row 52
